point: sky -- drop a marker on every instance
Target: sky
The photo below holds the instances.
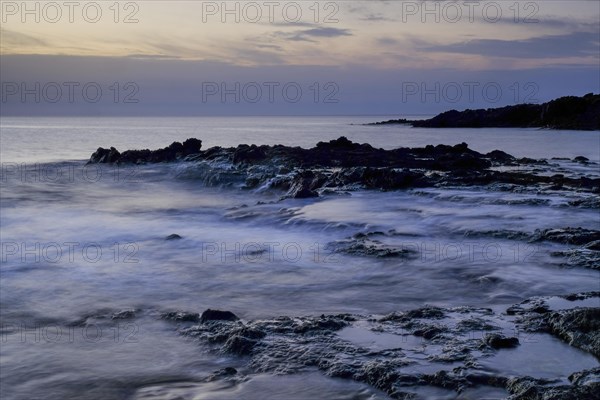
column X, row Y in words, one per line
column 358, row 57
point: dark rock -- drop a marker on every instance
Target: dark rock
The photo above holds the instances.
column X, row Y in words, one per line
column 362, row 245
column 304, row 184
column 173, row 152
column 429, row 332
column 587, row 377
column 578, row 113
column 240, row 345
column 579, row 327
column 342, row 164
column 173, row 236
column 286, row 345
column 499, row 155
column 527, row 388
column 498, row 341
column 576, row 236
column 102, row 155
column 222, row 373
column 322, row 324
column 217, row 315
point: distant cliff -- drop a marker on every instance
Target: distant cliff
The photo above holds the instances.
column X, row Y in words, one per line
column 571, row 112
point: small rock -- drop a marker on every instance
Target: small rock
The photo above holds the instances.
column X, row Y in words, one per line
column 218, row 315
column 173, row 236
column 497, row 341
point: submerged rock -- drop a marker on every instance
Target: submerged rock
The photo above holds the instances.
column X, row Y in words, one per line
column 173, row 236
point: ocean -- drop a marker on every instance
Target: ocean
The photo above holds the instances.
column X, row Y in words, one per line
column 84, row 245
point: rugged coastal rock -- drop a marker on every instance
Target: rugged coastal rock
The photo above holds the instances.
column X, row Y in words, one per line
column 171, row 153
column 571, row 112
column 341, row 164
column 436, row 347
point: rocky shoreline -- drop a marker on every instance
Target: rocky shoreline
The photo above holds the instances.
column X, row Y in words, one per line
column 403, row 352
column 340, row 165
column 569, row 113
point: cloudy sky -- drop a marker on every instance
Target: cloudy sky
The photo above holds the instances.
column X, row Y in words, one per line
column 293, row 58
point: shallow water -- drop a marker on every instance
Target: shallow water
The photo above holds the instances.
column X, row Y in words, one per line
column 85, row 242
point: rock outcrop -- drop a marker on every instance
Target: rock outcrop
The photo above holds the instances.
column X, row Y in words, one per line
column 570, row 112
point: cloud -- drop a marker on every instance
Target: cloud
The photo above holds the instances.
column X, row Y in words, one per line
column 387, row 41
column 12, row 39
column 309, row 35
column 376, row 18
column 577, row 44
column 152, row 57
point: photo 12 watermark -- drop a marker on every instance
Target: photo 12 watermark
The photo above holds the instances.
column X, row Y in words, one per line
column 452, row 12
column 272, row 12
column 471, row 92
column 69, row 92
column 333, row 253
column 270, row 92
column 54, row 12
column 89, row 333
column 27, row 173
column 68, row 252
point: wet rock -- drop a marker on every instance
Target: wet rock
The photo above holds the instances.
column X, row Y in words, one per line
column 105, row 156
column 527, row 388
column 501, row 156
column 581, row 296
column 304, row 185
column 590, row 202
column 581, row 159
column 475, row 324
column 124, row 314
column 445, row 380
column 217, row 315
column 427, row 312
column 181, row 316
column 242, row 341
column 323, row 323
column 429, row 332
column 344, row 165
column 362, row 245
column 174, row 151
column 285, row 345
column 173, row 236
column 586, row 256
column 497, row 341
column 222, row 373
column 589, row 377
column 240, row 345
column 576, row 236
column 579, row 327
